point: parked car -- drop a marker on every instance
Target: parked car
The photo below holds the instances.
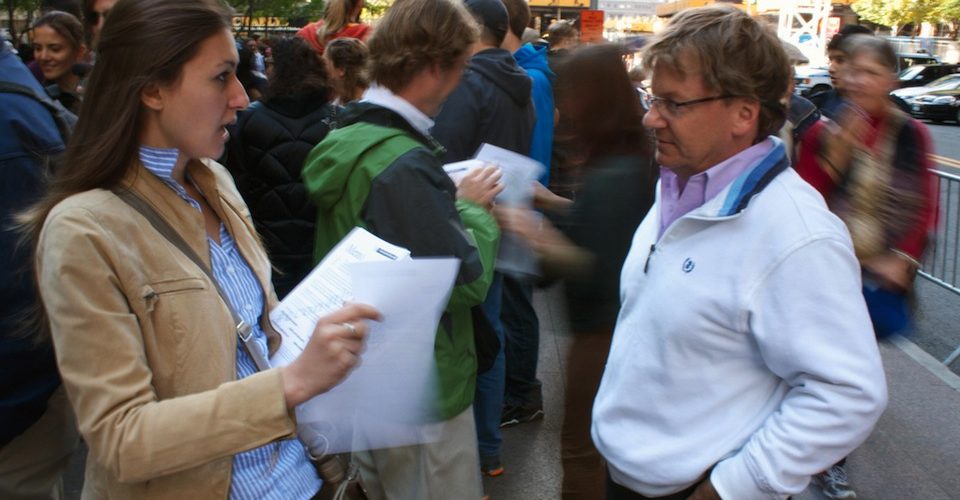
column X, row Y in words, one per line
column 811, row 80
column 939, row 105
column 922, row 74
column 906, row 60
column 948, row 82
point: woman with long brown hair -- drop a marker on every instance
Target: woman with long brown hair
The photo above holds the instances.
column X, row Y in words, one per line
column 58, row 44
column 150, row 271
column 341, row 19
column 594, row 236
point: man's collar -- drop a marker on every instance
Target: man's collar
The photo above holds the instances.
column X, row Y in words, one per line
column 384, row 97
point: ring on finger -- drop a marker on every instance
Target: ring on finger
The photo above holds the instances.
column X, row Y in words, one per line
column 350, row 327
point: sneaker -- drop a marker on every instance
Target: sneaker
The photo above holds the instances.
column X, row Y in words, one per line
column 833, row 482
column 491, row 466
column 513, row 415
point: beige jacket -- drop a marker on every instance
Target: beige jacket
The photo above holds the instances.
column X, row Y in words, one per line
column 147, row 348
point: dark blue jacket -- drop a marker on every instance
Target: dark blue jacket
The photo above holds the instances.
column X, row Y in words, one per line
column 533, row 60
column 491, row 104
column 28, row 138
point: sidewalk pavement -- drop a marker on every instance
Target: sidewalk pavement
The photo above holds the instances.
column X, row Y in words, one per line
column 914, row 452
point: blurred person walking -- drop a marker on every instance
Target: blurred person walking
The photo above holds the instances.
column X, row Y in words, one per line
column 341, row 19
column 266, row 152
column 150, row 272
column 38, row 433
column 382, row 170
column 592, row 242
column 57, row 47
column 492, row 104
column 743, row 360
column 873, row 168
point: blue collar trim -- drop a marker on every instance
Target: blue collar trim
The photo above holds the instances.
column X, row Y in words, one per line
column 756, row 179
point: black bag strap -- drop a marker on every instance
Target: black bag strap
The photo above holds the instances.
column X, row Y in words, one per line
column 64, row 119
column 243, row 329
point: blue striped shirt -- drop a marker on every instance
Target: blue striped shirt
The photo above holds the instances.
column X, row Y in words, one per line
column 279, row 470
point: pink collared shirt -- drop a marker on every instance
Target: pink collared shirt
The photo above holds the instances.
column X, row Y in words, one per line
column 678, row 199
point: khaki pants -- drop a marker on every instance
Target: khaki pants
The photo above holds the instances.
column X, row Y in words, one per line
column 447, row 468
column 31, row 466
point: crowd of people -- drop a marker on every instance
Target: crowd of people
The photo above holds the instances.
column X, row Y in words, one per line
column 164, row 185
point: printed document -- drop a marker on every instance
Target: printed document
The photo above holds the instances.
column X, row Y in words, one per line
column 325, row 290
column 390, row 398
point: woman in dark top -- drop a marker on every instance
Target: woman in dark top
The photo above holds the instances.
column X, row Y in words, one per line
column 593, row 238
column 57, row 46
column 266, row 153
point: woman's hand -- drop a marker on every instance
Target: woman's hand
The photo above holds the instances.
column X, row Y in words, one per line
column 556, row 252
column 847, row 134
column 330, row 355
column 481, row 186
column 544, row 199
column 893, row 270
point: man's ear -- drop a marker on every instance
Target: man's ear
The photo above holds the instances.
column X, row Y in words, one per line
column 151, row 97
column 747, row 117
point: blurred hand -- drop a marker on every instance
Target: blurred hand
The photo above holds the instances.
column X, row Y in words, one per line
column 705, row 491
column 544, row 199
column 481, row 186
column 847, row 134
column 893, row 271
column 330, row 355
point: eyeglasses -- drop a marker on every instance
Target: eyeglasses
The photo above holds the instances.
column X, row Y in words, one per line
column 669, row 107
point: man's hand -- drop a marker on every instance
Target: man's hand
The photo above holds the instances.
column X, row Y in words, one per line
column 705, row 492
column 481, row 186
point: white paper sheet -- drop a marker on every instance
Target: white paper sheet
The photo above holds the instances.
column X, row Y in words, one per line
column 325, row 290
column 514, row 257
column 390, row 398
column 519, row 173
column 458, row 170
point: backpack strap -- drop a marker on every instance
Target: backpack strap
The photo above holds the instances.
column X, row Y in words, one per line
column 64, row 119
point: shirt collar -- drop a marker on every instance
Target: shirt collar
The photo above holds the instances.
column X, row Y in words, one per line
column 703, row 187
column 716, row 178
column 383, row 96
column 160, row 162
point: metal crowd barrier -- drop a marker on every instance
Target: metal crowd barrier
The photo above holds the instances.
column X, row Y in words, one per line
column 942, row 262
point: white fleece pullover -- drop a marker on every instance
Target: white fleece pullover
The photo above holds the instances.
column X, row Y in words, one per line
column 743, row 344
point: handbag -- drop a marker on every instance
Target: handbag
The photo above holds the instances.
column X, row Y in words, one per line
column 341, row 477
column 890, row 311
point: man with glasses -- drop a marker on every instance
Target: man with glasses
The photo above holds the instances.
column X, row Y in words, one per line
column 743, row 360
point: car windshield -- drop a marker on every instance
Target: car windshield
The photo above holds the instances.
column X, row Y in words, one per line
column 911, row 72
column 948, row 82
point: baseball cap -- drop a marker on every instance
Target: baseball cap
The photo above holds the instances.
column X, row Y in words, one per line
column 492, row 14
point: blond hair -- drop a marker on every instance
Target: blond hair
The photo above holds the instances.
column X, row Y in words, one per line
column 416, row 34
column 734, row 54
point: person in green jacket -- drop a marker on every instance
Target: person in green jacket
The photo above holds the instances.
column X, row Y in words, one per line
column 381, row 170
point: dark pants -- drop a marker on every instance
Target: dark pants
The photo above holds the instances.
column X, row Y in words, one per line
column 584, row 474
column 617, row 492
column 522, row 331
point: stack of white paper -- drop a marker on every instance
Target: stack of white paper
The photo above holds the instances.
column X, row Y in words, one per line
column 389, row 398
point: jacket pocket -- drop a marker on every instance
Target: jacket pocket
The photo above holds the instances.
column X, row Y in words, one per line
column 180, row 319
column 152, row 292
